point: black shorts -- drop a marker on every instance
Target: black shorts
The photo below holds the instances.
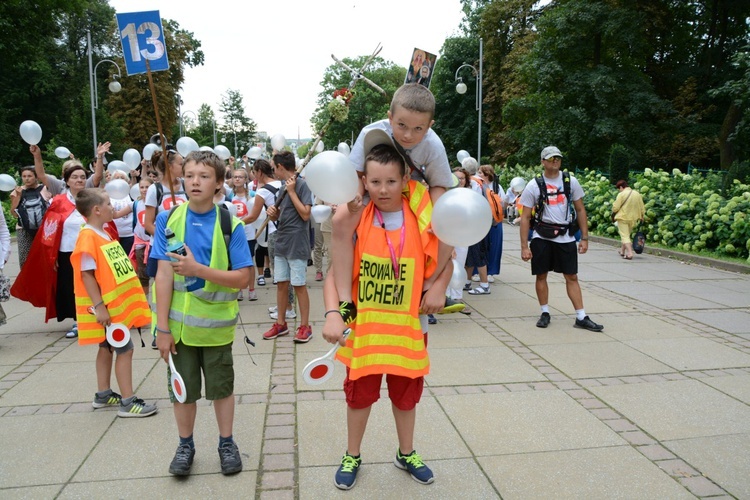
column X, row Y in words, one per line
column 551, row 256
column 476, row 256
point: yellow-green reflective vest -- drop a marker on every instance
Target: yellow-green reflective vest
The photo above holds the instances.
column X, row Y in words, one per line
column 205, row 317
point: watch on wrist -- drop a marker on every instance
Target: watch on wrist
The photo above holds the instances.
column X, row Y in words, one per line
column 585, row 239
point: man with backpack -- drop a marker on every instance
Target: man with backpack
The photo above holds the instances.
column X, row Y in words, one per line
column 29, row 201
column 552, row 198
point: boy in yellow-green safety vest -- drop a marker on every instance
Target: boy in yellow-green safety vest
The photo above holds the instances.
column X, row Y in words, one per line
column 195, row 292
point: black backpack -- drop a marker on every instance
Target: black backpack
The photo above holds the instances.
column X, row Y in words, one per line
column 536, row 220
column 31, row 208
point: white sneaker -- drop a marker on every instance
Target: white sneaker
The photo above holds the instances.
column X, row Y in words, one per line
column 475, row 277
column 289, row 314
column 491, row 279
column 273, row 309
column 252, row 295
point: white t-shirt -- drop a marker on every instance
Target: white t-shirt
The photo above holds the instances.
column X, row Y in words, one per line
column 269, row 199
column 244, row 204
column 556, row 212
column 429, row 155
column 88, row 262
column 166, row 201
column 140, row 219
column 71, row 228
column 125, row 223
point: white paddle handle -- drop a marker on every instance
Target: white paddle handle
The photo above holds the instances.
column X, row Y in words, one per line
column 171, row 364
column 335, row 348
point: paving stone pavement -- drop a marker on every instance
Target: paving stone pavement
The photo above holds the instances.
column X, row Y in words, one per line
column 655, row 406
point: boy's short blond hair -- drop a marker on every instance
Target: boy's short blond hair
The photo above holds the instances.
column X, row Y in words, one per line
column 414, row 97
column 89, row 198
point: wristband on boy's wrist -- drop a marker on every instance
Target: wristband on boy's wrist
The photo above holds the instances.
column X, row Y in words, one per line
column 99, row 304
column 167, row 332
column 332, row 311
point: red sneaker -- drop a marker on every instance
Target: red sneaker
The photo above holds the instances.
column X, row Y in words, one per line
column 318, row 276
column 304, row 334
column 276, row 330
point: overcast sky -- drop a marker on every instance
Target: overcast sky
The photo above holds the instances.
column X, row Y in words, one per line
column 275, row 53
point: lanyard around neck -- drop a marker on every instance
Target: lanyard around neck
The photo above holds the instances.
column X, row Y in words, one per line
column 394, row 258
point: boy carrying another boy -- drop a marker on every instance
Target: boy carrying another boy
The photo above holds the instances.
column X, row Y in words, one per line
column 107, row 290
column 395, row 251
column 292, row 247
column 409, row 123
column 196, row 306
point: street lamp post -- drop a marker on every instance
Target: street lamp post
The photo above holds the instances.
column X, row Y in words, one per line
column 114, row 85
column 182, row 117
column 461, row 89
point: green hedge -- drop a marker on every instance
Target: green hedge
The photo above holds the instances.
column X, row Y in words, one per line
column 686, row 212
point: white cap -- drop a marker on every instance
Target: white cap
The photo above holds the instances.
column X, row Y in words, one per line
column 549, row 152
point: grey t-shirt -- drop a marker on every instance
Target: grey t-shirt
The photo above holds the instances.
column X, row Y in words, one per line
column 293, row 233
column 57, row 186
column 429, row 155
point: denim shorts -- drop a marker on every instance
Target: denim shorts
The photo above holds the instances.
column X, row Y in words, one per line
column 294, row 270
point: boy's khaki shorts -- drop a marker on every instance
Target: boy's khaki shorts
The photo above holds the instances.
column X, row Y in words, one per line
column 217, row 366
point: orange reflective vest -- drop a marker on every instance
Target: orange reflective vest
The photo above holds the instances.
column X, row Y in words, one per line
column 386, row 336
column 121, row 290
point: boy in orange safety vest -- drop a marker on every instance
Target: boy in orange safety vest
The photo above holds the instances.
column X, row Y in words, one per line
column 107, row 291
column 393, row 255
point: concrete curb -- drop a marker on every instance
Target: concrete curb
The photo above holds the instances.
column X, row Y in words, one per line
column 681, row 256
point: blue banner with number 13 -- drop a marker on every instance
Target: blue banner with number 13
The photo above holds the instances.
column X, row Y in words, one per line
column 142, row 40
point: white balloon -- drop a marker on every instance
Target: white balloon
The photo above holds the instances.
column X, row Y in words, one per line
column 222, row 152
column 117, row 189
column 254, row 153
column 320, row 147
column 461, row 155
column 118, row 165
column 231, row 207
column 332, row 178
column 343, row 148
column 149, row 150
column 7, row 183
column 458, row 279
column 206, row 148
column 62, row 152
column 31, row 132
column 470, row 165
column 132, row 158
column 135, row 192
column 461, row 217
column 517, row 184
column 278, row 142
column 320, row 213
column 186, row 145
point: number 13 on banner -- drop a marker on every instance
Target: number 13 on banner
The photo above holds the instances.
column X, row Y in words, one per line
column 142, row 40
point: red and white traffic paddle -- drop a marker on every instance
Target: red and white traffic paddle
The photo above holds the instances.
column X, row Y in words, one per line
column 176, row 382
column 320, row 370
column 118, row 335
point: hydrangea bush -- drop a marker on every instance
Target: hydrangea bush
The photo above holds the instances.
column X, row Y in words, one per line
column 686, row 212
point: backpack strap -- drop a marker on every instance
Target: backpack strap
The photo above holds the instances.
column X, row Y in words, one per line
column 135, row 217
column 542, row 200
column 159, row 195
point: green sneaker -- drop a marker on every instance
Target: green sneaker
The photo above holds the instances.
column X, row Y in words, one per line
column 110, row 399
column 416, row 467
column 452, row 306
column 346, row 476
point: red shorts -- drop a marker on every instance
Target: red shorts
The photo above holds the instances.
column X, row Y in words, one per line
column 404, row 392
